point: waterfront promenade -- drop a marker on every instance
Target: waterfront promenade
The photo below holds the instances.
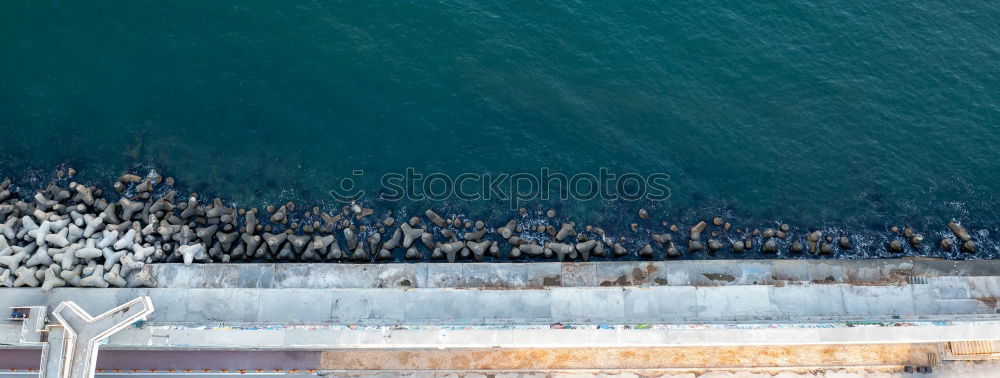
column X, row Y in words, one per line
column 885, row 314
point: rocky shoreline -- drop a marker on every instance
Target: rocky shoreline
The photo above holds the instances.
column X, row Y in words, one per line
column 71, row 234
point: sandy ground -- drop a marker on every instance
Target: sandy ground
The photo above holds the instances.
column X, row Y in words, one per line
column 634, row 358
column 946, row 369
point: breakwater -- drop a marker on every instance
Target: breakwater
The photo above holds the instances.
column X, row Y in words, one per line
column 73, row 234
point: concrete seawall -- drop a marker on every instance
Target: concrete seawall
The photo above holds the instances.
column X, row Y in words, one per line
column 406, row 316
column 567, row 274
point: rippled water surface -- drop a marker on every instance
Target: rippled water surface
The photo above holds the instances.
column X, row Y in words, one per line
column 851, row 114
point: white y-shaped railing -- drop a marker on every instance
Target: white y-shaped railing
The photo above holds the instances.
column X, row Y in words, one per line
column 71, row 351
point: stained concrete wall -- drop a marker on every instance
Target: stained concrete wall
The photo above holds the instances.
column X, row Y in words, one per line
column 575, row 274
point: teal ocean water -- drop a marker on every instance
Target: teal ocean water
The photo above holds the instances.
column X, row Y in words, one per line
column 849, row 114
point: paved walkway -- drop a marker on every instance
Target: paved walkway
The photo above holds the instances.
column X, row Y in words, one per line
column 943, row 309
column 941, row 298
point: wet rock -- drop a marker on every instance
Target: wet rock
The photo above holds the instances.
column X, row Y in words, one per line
column 85, row 193
column 205, row 234
column 585, row 248
column 129, row 208
column 274, row 241
column 662, row 238
column 374, row 241
column 697, row 230
column 383, row 255
column 227, row 239
column 184, row 236
column 190, row 208
column 410, row 234
column 895, row 246
column 360, row 254
column 845, row 243
column 515, row 253
column 475, row 236
column 565, row 231
column 299, row 242
column 280, row 216
column 770, row 247
column 449, row 234
column 251, row 241
column 960, row 232
column 813, row 241
column 129, row 178
column 335, row 253
column 413, row 253
column 646, row 251
column 619, row 250
column 361, row 212
column 532, row 249
column 451, row 250
column 508, row 230
column 968, row 246
column 427, row 239
column 395, row 240
column 946, row 244
column 351, row 238
column 551, row 231
column 815, row 236
column 191, row 252
column 714, row 245
column 561, row 250
column 672, row 251
column 317, row 248
column 436, row 219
